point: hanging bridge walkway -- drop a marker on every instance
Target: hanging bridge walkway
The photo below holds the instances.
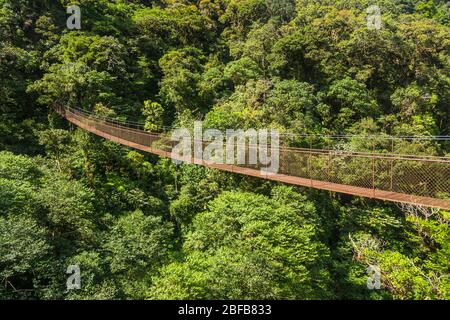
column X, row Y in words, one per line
column 383, row 175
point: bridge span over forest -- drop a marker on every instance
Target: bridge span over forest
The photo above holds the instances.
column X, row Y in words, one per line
column 377, row 173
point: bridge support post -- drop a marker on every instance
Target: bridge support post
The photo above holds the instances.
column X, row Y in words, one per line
column 310, row 162
column 373, row 167
column 392, row 165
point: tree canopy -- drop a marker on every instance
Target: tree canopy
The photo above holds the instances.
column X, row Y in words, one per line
column 142, row 227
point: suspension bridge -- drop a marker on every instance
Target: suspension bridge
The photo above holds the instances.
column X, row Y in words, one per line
column 422, row 180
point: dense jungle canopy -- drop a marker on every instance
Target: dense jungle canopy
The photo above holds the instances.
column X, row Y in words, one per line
column 140, row 226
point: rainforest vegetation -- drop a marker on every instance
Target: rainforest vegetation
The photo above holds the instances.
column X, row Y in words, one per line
column 142, row 227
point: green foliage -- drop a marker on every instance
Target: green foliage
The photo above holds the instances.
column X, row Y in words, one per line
column 154, row 113
column 138, row 243
column 137, row 246
column 241, row 71
column 291, row 104
column 20, row 168
column 69, row 208
column 95, row 282
column 176, row 25
column 24, row 244
column 181, row 70
column 241, row 233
